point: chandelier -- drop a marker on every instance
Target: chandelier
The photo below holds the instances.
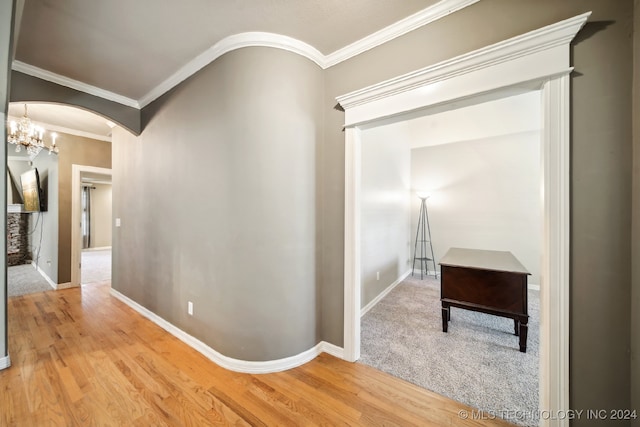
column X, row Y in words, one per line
column 24, row 133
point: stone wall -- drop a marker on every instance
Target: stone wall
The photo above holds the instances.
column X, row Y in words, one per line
column 17, row 239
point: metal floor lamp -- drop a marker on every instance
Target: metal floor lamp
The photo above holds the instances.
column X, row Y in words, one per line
column 424, row 251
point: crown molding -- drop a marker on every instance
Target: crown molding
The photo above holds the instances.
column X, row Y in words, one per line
column 73, row 84
column 542, row 39
column 259, row 39
column 236, row 41
column 404, row 26
column 75, row 132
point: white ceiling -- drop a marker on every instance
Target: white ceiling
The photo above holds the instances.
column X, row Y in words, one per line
column 503, row 116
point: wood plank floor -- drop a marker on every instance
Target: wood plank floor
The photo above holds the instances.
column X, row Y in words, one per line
column 82, row 358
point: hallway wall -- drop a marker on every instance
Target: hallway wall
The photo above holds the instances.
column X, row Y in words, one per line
column 7, row 10
column 218, row 204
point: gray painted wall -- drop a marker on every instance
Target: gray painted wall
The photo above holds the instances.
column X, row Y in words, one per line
column 7, row 10
column 43, row 226
column 385, row 233
column 601, row 171
column 635, row 240
column 217, row 200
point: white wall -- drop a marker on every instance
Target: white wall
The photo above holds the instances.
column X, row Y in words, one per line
column 385, row 207
column 101, row 215
column 486, row 189
column 485, row 195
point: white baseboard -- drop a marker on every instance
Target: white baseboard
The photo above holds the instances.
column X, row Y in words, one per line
column 383, row 294
column 100, row 248
column 232, row 364
column 5, row 362
column 533, row 287
column 53, row 284
column 332, row 349
column 65, row 286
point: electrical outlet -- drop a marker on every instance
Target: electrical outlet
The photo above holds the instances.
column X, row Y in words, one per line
column 117, row 222
column 190, row 308
column 377, row 275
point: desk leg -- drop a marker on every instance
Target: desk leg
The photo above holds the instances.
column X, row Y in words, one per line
column 523, row 336
column 516, row 326
column 445, row 317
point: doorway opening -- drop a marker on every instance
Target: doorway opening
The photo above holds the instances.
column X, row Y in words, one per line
column 91, row 208
column 95, row 219
column 539, row 60
column 477, row 169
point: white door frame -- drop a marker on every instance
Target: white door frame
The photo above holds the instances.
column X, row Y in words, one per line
column 539, row 60
column 76, row 212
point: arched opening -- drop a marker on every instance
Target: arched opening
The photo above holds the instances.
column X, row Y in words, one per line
column 49, row 243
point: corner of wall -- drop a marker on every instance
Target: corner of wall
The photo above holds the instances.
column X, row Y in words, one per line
column 7, row 15
column 635, row 226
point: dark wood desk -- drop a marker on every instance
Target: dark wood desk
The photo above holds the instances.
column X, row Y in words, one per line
column 491, row 282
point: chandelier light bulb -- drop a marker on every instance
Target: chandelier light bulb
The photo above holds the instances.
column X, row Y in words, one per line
column 27, row 134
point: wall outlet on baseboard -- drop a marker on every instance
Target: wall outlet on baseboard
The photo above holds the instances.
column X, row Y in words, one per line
column 377, row 275
column 190, row 308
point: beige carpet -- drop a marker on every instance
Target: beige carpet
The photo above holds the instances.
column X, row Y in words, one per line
column 96, row 266
column 25, row 279
column 477, row 362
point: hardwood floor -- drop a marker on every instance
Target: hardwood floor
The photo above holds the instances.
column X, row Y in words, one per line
column 82, row 358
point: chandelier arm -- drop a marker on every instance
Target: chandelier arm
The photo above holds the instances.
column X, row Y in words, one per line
column 25, row 133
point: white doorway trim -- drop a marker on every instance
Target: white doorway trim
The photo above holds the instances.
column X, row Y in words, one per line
column 539, row 60
column 76, row 224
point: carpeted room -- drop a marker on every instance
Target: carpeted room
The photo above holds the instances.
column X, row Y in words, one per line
column 481, row 165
